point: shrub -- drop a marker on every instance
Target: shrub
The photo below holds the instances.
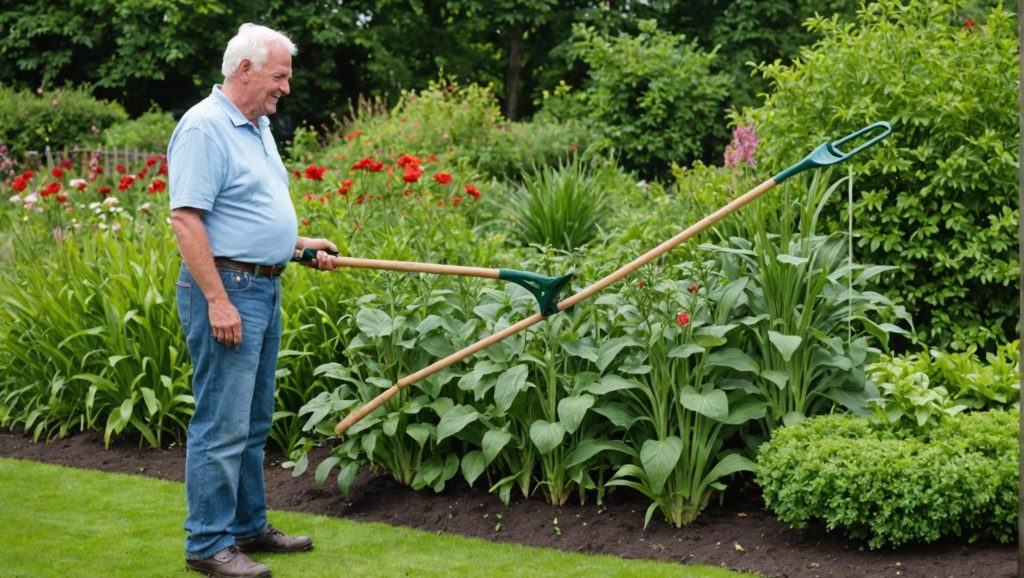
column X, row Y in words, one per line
column 61, row 118
column 896, row 486
column 653, row 97
column 941, row 193
column 150, row 132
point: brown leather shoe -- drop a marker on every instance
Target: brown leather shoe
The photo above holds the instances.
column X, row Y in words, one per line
column 274, row 540
column 228, row 563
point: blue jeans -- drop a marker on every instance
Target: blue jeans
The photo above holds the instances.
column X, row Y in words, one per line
column 234, row 393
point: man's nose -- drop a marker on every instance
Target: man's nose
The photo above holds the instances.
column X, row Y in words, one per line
column 286, row 88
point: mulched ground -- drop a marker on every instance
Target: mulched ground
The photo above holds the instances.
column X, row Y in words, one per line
column 738, row 534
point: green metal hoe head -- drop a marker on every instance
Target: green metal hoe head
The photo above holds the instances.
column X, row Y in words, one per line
column 830, row 153
column 544, row 289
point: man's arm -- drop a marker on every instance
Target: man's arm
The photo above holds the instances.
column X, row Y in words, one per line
column 194, row 246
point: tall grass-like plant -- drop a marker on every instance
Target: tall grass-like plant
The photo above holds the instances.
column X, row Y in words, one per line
column 561, row 207
column 810, row 316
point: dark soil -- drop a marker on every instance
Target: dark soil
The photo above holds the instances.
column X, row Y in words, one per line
column 738, row 534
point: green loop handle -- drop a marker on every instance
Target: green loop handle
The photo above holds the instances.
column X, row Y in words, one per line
column 830, row 153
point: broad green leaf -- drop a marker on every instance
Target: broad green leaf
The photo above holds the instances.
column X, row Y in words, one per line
column 611, row 348
column 732, row 358
column 546, row 435
column 324, row 469
column 571, row 411
column 589, row 448
column 455, row 420
column 347, row 477
column 728, row 465
column 746, row 410
column 509, row 384
column 420, row 432
column 493, row 442
column 780, row 377
column 472, row 466
column 791, row 259
column 685, row 350
column 374, row 322
column 713, row 404
column 578, row 348
column 620, row 414
column 785, row 344
column 659, row 459
column 610, row 383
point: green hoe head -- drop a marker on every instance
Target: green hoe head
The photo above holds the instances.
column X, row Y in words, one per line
column 544, row 289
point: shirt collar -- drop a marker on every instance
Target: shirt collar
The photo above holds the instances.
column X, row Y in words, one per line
column 234, row 114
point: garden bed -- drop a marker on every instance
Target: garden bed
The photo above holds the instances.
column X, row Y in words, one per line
column 738, row 534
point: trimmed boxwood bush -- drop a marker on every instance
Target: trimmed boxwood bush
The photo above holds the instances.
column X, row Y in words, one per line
column 896, row 486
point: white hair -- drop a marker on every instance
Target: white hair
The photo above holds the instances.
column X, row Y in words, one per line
column 252, row 43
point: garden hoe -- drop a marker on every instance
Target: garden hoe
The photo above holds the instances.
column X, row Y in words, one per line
column 824, row 155
column 544, row 289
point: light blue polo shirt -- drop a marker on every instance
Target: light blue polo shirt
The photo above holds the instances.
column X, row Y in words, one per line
column 220, row 163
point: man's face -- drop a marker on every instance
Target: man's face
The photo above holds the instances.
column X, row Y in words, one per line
column 269, row 83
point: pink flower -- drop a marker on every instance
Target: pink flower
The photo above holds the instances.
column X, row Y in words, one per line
column 741, row 149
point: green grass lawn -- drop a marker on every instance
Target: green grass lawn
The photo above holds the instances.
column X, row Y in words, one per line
column 66, row 522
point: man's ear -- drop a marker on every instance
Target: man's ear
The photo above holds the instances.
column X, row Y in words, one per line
column 244, row 67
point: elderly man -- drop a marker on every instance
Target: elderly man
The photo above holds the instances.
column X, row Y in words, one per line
column 236, row 229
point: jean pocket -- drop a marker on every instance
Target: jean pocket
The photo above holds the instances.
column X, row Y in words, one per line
column 235, row 281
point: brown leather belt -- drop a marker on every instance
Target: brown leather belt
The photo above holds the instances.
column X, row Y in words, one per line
column 257, row 270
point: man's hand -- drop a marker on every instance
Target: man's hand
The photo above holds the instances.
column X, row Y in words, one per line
column 226, row 323
column 323, row 260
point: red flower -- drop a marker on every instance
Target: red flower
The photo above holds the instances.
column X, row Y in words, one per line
column 408, row 160
column 694, row 288
column 639, row 284
column 162, row 171
column 152, row 160
column 345, row 187
column 121, row 170
column 104, row 191
column 57, row 173
column 157, row 186
column 969, row 24
column 412, row 173
column 457, row 201
column 683, row 319
column 61, row 198
column 471, row 190
column 67, row 164
column 443, row 178
column 352, row 135
column 315, row 173
column 98, row 170
column 125, row 182
column 142, row 174
column 360, row 200
column 51, row 189
column 20, row 183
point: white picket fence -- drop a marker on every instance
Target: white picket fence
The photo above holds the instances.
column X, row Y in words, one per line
column 130, row 158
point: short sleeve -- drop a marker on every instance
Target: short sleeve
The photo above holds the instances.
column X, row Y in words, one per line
column 196, row 169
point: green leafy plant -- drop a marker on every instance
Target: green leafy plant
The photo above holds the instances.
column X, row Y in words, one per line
column 809, row 312
column 893, row 486
column 151, row 132
column 59, row 118
column 938, row 195
column 906, row 395
column 681, row 399
column 652, row 97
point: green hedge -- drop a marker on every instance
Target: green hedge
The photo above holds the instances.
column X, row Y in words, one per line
column 64, row 117
column 895, row 486
column 938, row 198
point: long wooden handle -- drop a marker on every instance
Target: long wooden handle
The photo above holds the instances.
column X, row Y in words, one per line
column 632, row 266
column 415, row 267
